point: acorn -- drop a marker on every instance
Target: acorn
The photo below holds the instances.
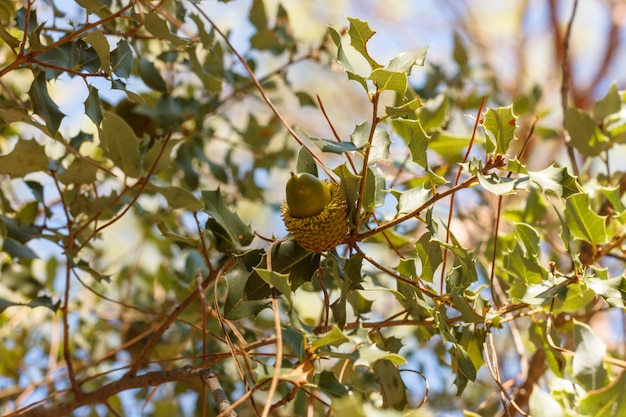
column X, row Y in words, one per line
column 315, row 212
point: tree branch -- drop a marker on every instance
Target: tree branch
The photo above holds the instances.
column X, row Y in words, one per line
column 152, row 379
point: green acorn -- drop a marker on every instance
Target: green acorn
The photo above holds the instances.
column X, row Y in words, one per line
column 315, row 212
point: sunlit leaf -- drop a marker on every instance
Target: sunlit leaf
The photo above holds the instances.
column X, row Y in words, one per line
column 500, row 123
column 588, row 363
column 360, row 33
column 586, row 137
column 583, row 223
column 389, row 80
column 380, row 142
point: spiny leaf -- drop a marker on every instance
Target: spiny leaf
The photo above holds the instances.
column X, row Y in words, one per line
column 500, row 123
column 238, row 232
column 93, row 108
column 583, row 223
column 43, row 104
column 27, row 156
column 379, row 147
column 360, row 33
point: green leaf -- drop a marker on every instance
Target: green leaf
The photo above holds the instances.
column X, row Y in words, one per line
column 415, row 137
column 79, row 172
column 328, row 383
column 179, row 198
column 389, row 80
column 43, row 301
column 435, row 113
column 407, row 60
column 151, row 76
column 391, row 384
column 412, row 198
column 122, row 59
column 16, row 249
column 334, row 337
column 100, row 44
column 93, row 108
column 606, row 402
column 236, row 305
column 43, row 104
column 500, row 123
column 582, row 222
column 238, row 232
column 120, row 144
column 326, row 145
column 277, row 280
column 499, row 185
column 429, row 253
column 175, row 237
column 610, row 103
column 555, row 180
column 379, row 148
column 258, row 16
column 367, row 354
column 27, row 156
column 158, row 27
column 464, row 362
column 588, row 362
column 529, row 237
column 91, row 6
column 306, row 163
column 155, row 151
column 407, row 108
column 584, row 132
column 360, row 33
column 305, row 99
column 11, row 41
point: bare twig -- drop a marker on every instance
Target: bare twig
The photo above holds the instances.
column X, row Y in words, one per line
column 479, row 116
column 185, row 374
column 565, row 85
column 223, row 403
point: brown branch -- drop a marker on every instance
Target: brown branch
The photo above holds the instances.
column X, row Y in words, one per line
column 209, row 378
column 100, row 395
column 23, row 59
column 565, row 86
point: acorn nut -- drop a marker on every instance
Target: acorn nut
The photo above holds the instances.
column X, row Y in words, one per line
column 315, row 212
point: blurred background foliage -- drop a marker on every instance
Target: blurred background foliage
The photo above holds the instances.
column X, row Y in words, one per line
column 140, row 161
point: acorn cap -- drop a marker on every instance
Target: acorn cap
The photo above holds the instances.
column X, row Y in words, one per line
column 323, row 231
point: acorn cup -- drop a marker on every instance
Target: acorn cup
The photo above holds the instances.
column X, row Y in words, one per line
column 315, row 212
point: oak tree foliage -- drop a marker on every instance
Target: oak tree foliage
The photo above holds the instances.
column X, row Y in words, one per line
column 143, row 256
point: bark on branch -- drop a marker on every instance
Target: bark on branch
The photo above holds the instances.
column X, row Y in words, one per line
column 184, row 374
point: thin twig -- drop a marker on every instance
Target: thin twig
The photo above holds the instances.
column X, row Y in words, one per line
column 267, row 100
column 565, row 85
column 479, row 116
column 279, row 340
